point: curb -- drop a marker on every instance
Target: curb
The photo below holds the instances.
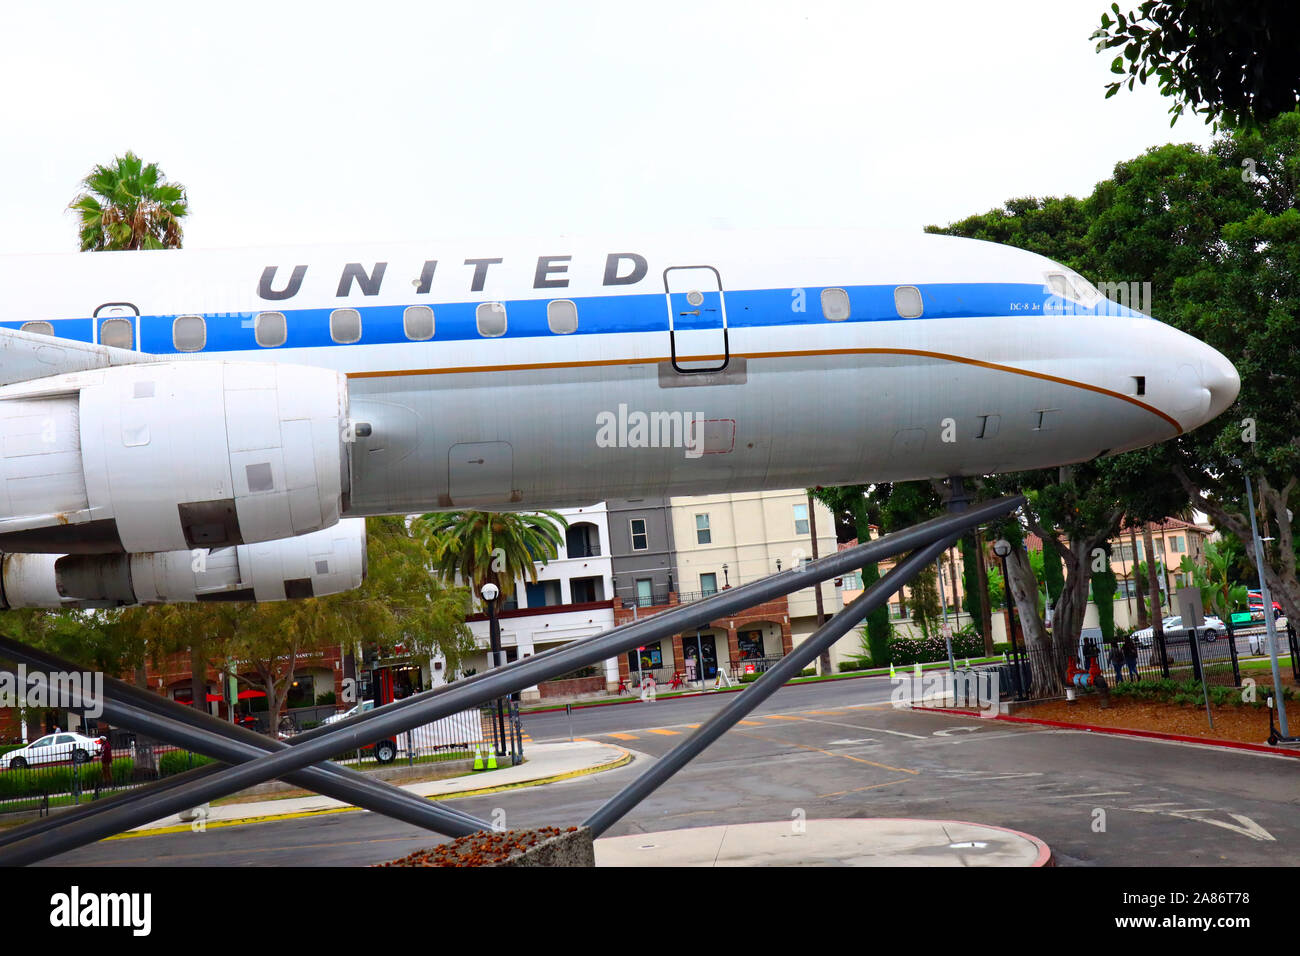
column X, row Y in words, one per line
column 1122, row 732
column 623, row 760
column 695, row 693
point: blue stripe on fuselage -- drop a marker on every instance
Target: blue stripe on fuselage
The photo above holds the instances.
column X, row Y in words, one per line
column 607, row 314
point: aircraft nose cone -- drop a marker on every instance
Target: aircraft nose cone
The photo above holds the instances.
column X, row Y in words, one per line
column 1220, row 378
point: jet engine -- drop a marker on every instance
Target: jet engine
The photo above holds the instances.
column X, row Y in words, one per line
column 323, row 562
column 168, row 456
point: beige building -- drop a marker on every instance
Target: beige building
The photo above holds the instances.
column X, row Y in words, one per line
column 727, row 540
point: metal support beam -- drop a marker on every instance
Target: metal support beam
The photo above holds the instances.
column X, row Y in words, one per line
column 324, row 742
column 136, row 709
column 743, row 703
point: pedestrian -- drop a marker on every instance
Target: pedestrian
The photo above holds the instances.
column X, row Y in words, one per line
column 106, row 758
column 1089, row 652
column 1117, row 661
column 1131, row 656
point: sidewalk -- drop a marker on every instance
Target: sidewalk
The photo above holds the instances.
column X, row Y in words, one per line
column 856, row 842
column 544, row 763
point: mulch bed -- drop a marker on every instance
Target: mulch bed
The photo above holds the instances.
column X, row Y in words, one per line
column 480, row 849
column 1243, row 724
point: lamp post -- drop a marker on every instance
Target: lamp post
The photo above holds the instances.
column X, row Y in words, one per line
column 490, row 593
column 1267, row 600
column 726, row 578
column 1002, row 548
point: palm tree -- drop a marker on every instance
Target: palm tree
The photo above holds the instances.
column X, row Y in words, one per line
column 483, row 546
column 129, row 205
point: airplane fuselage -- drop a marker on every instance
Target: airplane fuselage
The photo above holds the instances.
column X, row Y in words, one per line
column 555, row 372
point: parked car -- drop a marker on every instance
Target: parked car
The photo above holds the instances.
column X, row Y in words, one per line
column 53, row 748
column 361, row 708
column 1175, row 632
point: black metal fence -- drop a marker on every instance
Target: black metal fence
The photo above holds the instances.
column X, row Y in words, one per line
column 46, row 778
column 1224, row 661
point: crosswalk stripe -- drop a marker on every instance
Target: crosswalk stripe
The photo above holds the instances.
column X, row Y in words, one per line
column 666, row 733
column 623, row 736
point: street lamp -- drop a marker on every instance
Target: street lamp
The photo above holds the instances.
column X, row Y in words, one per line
column 726, row 579
column 490, row 593
column 1002, row 548
column 1267, row 601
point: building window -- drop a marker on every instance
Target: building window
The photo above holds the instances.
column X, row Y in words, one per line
column 708, row 584
column 1178, row 544
column 801, row 518
column 345, row 326
column 640, row 539
column 835, row 304
column 644, row 592
column 649, row 658
column 491, row 319
column 189, row 333
column 586, row 590
column 562, row 316
column 417, row 323
column 269, row 329
column 907, row 300
column 38, row 328
column 702, row 533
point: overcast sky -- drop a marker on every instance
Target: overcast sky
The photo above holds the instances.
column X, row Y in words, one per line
column 371, row 121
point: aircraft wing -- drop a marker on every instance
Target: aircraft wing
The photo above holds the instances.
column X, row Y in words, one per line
column 30, row 355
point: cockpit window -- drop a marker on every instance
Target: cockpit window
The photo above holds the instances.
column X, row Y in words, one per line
column 1072, row 286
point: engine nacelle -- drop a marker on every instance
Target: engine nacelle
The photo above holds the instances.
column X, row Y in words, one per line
column 324, row 562
column 170, row 456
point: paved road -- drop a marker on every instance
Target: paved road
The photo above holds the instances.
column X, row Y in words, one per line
column 835, row 750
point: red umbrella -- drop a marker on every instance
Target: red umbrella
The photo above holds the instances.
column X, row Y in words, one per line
column 243, row 695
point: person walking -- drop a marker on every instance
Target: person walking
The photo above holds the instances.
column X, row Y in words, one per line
column 1117, row 661
column 1131, row 656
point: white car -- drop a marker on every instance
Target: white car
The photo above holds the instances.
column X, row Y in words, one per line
column 361, row 708
column 1259, row 642
column 1174, row 630
column 63, row 747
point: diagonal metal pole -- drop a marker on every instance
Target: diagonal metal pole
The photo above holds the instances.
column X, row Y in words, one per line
column 396, row 718
column 329, row 778
column 213, row 737
column 743, row 703
column 94, row 808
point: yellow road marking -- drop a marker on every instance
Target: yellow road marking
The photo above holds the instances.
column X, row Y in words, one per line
column 829, row 753
column 666, row 733
column 749, row 723
column 887, row 783
column 780, row 717
column 623, row 736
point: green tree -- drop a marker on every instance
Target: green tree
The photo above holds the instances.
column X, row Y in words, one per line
column 1233, row 62
column 1103, row 595
column 129, row 205
column 483, row 546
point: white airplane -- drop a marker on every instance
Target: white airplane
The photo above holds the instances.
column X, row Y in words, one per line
column 187, row 401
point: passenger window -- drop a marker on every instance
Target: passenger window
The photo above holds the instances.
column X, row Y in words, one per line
column 117, row 333
column 269, row 329
column 491, row 319
column 417, row 323
column 835, row 304
column 345, row 326
column 562, row 316
column 907, row 300
column 189, row 333
column 38, row 328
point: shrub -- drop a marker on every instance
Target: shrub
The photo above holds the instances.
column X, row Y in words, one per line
column 926, row 650
column 853, row 665
column 326, row 698
column 749, row 678
column 808, row 672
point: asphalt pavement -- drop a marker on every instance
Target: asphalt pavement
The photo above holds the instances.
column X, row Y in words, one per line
column 840, row 750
